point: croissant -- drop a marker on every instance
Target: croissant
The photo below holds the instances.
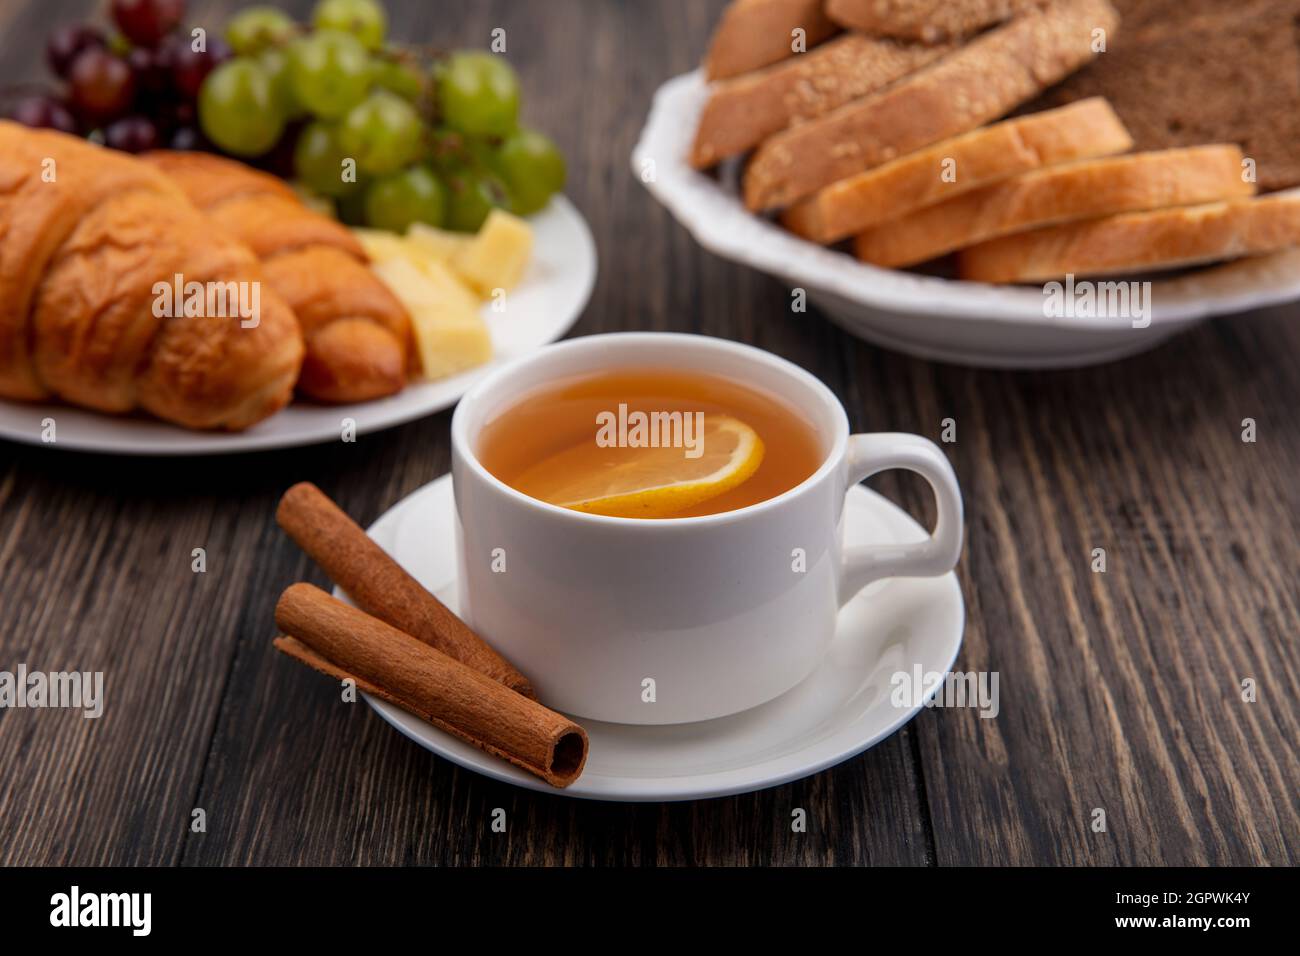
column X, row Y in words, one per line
column 358, row 335
column 89, row 238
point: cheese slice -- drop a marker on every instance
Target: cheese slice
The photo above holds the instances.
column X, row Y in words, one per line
column 497, row 257
column 449, row 338
column 438, row 243
column 450, row 334
column 381, row 245
column 451, row 285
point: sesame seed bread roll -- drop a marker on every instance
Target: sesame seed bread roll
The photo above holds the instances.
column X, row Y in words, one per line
column 742, row 112
column 982, row 81
column 929, row 21
column 756, row 33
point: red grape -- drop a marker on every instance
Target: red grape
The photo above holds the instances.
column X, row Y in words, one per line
column 166, row 53
column 131, row 134
column 176, row 115
column 151, row 72
column 101, row 85
column 279, row 160
column 44, row 112
column 146, row 22
column 187, row 138
column 190, row 67
column 68, row 41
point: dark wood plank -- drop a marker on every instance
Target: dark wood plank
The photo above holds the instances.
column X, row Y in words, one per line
column 1121, row 690
column 96, row 577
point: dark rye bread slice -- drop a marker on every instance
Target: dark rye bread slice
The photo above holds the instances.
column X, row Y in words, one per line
column 982, row 81
column 1185, row 72
column 929, row 21
column 1149, row 18
column 744, row 111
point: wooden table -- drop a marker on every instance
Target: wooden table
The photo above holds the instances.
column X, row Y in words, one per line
column 1119, row 690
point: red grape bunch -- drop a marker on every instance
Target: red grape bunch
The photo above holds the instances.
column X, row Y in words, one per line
column 135, row 87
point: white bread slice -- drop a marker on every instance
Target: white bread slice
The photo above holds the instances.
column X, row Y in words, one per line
column 927, row 20
column 744, row 111
column 1065, row 193
column 983, row 80
column 1140, row 242
column 1081, row 130
column 757, row 33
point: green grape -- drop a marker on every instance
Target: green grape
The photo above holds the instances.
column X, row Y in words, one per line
column 445, row 149
column 237, row 108
column 398, row 76
column 253, row 30
column 413, row 195
column 478, row 94
column 382, row 133
column 330, row 72
column 352, row 207
column 470, row 197
column 276, row 64
column 532, row 168
column 318, row 160
column 364, row 19
column 478, row 153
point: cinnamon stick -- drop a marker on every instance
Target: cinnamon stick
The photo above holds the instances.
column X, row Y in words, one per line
column 343, row 641
column 379, row 585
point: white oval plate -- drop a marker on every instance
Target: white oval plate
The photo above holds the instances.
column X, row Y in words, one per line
column 842, row 709
column 547, row 302
column 969, row 323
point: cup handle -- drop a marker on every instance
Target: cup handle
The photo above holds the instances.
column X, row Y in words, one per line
column 937, row 554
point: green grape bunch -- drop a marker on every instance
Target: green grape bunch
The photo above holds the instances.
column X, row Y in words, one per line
column 391, row 136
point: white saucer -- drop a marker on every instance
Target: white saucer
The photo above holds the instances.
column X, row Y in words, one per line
column 838, row 712
column 552, row 295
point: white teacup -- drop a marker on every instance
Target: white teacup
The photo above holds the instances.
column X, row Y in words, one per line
column 645, row 621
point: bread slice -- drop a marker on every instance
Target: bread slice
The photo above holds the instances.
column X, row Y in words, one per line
column 744, row 111
column 1065, row 193
column 1082, row 130
column 1183, row 72
column 1140, row 242
column 982, row 81
column 757, row 33
column 926, row 20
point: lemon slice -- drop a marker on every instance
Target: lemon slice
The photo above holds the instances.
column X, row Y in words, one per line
column 646, row 482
